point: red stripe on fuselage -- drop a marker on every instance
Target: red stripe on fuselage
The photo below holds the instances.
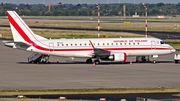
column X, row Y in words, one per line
column 27, row 39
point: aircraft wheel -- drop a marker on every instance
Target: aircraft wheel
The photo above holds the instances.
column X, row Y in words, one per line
column 88, row 61
column 176, row 61
column 154, row 61
column 43, row 61
column 143, row 58
column 137, row 59
column 96, row 62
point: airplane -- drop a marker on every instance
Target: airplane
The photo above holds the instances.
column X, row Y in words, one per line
column 94, row 50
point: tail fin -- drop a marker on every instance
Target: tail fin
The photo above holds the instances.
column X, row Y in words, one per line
column 20, row 31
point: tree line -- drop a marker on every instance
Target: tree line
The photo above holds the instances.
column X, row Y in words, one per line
column 90, row 9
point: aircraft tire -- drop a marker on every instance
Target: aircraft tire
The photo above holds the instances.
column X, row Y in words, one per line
column 176, row 61
column 96, row 62
column 154, row 61
column 89, row 61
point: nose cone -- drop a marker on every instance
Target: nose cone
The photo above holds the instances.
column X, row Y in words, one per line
column 173, row 50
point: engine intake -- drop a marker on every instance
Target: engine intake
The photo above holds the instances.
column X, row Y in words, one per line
column 118, row 57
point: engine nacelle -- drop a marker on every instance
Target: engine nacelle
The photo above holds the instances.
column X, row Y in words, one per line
column 118, row 57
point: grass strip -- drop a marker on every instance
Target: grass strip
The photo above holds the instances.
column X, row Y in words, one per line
column 6, row 33
column 115, row 23
column 91, row 90
column 56, row 34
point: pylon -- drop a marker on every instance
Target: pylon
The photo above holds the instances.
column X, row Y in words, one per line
column 130, row 62
column 94, row 64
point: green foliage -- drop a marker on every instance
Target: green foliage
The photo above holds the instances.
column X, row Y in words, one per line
column 173, row 41
column 97, row 90
column 90, row 10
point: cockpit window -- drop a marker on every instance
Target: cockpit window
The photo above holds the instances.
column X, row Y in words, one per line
column 162, row 42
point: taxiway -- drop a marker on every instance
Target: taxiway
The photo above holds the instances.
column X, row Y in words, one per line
column 16, row 73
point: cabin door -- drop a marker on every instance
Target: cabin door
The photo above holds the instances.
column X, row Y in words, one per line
column 153, row 45
column 51, row 46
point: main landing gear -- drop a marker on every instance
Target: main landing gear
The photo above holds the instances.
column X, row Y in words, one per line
column 90, row 61
column 97, row 61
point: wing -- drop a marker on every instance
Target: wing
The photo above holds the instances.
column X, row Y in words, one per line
column 98, row 52
column 102, row 54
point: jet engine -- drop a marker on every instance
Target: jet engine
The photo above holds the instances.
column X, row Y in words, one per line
column 118, row 57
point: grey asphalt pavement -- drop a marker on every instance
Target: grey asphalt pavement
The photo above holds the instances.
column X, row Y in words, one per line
column 16, row 73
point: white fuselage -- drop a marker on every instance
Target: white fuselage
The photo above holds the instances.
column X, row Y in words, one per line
column 83, row 48
column 114, row 49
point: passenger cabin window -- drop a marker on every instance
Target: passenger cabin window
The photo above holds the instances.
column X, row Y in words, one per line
column 162, row 42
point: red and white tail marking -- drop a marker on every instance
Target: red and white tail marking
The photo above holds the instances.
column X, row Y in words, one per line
column 20, row 31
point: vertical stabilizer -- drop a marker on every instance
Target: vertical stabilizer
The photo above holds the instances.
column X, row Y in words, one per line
column 20, row 31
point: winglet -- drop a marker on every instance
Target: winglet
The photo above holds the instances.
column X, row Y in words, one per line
column 91, row 44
